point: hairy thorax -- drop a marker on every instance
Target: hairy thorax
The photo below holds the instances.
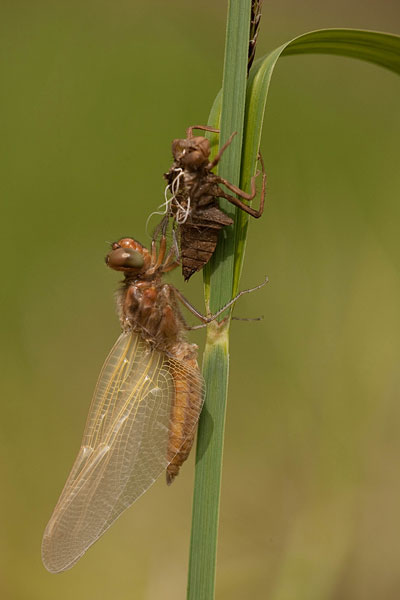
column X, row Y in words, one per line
column 150, row 309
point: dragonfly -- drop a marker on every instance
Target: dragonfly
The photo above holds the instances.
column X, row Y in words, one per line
column 194, row 190
column 145, row 408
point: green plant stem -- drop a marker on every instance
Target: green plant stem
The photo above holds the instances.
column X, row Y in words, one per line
column 203, row 547
column 218, row 290
column 222, row 275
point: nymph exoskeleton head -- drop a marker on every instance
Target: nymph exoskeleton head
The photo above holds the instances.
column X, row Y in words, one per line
column 191, row 153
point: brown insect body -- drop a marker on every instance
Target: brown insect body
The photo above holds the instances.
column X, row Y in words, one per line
column 149, row 307
column 199, row 238
column 144, row 411
column 194, row 206
column 145, row 406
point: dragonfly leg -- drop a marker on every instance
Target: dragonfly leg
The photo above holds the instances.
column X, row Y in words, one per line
column 161, row 254
column 161, row 228
column 207, row 319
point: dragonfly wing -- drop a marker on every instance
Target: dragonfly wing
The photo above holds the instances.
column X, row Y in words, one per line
column 124, row 447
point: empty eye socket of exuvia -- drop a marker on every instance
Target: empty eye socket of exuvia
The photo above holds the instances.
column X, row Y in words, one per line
column 178, row 148
column 125, row 258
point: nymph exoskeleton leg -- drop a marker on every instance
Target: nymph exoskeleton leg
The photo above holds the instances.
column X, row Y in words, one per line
column 175, row 245
column 251, row 211
column 172, row 260
column 216, row 160
column 189, row 130
column 210, row 318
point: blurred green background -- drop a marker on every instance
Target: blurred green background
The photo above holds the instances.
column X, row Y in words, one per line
column 92, row 93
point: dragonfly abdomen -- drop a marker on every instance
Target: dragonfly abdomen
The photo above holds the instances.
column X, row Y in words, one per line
column 185, row 409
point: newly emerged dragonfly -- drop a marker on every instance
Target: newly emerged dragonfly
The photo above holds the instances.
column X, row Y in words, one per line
column 144, row 411
column 194, row 190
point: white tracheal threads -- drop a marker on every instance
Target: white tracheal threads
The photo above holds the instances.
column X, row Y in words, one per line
column 182, row 212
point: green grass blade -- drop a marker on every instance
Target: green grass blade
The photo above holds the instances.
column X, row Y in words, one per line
column 219, row 272
column 203, row 545
column 382, row 49
column 218, row 281
column 214, row 120
column 223, row 273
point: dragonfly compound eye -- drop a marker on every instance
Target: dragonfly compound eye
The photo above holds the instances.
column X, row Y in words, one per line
column 121, row 259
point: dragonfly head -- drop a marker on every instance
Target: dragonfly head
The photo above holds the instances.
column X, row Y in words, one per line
column 129, row 256
column 191, row 153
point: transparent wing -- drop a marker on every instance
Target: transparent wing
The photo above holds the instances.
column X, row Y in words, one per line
column 124, row 447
